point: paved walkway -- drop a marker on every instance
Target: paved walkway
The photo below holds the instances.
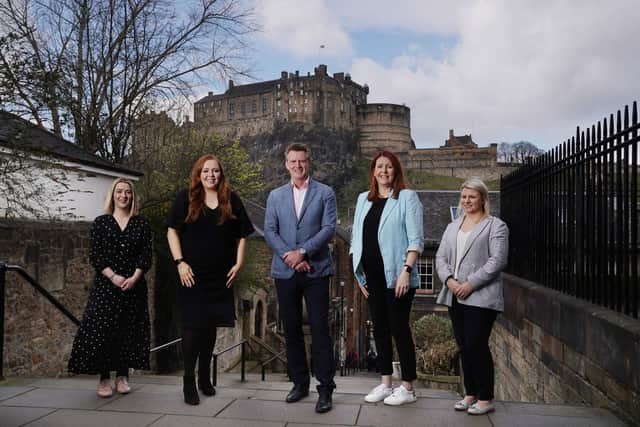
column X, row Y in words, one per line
column 157, row 401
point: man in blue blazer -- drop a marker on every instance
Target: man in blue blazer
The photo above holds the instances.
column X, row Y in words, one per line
column 300, row 221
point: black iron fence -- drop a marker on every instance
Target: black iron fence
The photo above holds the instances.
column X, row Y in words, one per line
column 573, row 215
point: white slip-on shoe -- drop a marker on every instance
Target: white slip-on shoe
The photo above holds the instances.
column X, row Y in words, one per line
column 400, row 396
column 378, row 394
column 477, row 410
column 463, row 405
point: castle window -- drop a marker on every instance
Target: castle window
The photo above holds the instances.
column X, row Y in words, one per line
column 231, row 111
column 243, row 108
column 278, row 86
column 301, row 84
column 291, row 93
column 306, row 101
column 278, row 113
column 290, row 110
column 278, row 102
column 301, row 92
column 290, row 84
column 254, row 106
column 264, row 105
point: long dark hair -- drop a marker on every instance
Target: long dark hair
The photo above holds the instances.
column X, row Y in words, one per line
column 398, row 176
column 196, row 192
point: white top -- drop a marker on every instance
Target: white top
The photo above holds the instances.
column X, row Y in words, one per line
column 298, row 196
column 461, row 241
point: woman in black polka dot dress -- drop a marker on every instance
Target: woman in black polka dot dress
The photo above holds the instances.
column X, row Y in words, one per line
column 114, row 333
column 208, row 226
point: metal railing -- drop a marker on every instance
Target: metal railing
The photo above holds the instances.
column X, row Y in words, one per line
column 263, row 365
column 214, row 371
column 573, row 215
column 4, row 268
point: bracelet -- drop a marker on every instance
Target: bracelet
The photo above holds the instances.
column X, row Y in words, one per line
column 447, row 279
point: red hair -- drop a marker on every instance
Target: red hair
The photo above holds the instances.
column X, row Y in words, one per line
column 196, row 192
column 398, row 176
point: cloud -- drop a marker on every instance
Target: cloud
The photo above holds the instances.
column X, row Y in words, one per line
column 519, row 70
column 300, row 28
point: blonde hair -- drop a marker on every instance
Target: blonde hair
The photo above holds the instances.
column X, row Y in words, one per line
column 109, row 206
column 479, row 186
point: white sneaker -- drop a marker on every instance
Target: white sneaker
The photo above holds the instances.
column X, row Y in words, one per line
column 378, row 394
column 400, row 396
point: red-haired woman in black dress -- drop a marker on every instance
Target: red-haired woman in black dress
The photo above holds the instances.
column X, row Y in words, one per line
column 208, row 226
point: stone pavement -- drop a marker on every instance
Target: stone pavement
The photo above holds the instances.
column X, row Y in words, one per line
column 157, row 401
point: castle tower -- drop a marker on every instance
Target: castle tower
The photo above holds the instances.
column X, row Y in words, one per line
column 384, row 127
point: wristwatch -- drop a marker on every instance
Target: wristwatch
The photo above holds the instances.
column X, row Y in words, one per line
column 408, row 268
column 302, row 251
column 178, row 261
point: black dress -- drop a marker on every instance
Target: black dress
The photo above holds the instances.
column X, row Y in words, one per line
column 210, row 250
column 114, row 332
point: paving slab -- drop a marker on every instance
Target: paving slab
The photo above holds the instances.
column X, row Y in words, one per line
column 189, row 421
column 79, row 418
column 411, row 416
column 300, row 412
column 9, row 392
column 503, row 419
column 13, row 416
column 166, row 403
column 59, row 398
column 555, row 410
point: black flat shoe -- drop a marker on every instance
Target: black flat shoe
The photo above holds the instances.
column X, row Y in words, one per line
column 297, row 393
column 324, row 402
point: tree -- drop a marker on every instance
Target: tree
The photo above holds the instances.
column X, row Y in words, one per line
column 166, row 153
column 89, row 68
column 518, row 152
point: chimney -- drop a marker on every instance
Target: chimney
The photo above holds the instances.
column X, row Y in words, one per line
column 230, row 84
column 450, row 133
column 210, row 93
column 297, row 73
column 283, row 75
column 338, row 76
column 186, row 118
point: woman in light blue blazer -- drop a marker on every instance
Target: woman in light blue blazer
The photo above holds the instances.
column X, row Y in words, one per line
column 386, row 241
column 472, row 254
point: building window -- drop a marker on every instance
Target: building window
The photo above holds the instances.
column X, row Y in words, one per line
column 254, row 106
column 264, row 105
column 306, row 101
column 279, row 102
column 425, row 274
column 301, row 83
column 301, row 92
column 291, row 93
column 290, row 110
column 231, row 109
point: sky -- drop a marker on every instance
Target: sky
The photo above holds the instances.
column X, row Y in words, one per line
column 501, row 70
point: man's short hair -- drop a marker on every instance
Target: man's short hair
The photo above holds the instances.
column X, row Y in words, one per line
column 297, row 146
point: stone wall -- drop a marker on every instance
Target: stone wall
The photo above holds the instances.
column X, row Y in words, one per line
column 384, row 127
column 38, row 338
column 553, row 348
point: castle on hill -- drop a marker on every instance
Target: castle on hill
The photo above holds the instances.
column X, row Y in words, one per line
column 337, row 102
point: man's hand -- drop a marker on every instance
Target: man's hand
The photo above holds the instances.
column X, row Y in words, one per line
column 303, row 267
column 293, row 258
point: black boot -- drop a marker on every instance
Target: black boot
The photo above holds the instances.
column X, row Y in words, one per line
column 189, row 389
column 204, row 380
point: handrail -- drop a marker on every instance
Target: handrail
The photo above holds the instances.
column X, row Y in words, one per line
column 242, row 360
column 38, row 287
column 165, row 345
column 268, row 348
column 271, row 359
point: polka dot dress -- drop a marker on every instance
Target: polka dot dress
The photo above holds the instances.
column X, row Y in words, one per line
column 114, row 332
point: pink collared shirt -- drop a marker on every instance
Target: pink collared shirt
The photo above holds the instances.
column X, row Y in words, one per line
column 298, row 196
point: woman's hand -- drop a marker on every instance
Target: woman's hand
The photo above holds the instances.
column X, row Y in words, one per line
column 232, row 274
column 186, row 274
column 464, row 290
column 365, row 291
column 402, row 284
column 117, row 280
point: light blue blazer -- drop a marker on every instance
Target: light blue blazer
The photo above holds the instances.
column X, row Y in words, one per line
column 313, row 231
column 399, row 231
column 484, row 257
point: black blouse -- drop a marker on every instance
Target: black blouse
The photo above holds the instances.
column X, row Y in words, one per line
column 208, row 247
column 371, row 257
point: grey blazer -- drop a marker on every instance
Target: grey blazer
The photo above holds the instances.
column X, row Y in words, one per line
column 283, row 231
column 485, row 256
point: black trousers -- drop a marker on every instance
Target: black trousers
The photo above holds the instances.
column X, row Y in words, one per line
column 316, row 296
column 472, row 328
column 390, row 317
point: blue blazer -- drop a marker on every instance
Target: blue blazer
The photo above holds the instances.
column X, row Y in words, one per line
column 399, row 231
column 313, row 231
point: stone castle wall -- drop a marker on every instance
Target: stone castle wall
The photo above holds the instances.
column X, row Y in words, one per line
column 553, row 348
column 384, row 127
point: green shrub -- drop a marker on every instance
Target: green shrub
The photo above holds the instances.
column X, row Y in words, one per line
column 436, row 349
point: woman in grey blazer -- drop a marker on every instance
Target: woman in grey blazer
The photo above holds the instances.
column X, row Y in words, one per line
column 472, row 254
